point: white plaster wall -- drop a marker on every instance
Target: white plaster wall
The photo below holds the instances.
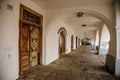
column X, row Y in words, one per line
column 97, row 38
column 105, row 37
column 118, row 43
column 117, row 23
column 9, row 40
column 9, row 33
column 74, row 40
column 52, row 39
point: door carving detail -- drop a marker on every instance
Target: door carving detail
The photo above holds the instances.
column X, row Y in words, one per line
column 34, row 45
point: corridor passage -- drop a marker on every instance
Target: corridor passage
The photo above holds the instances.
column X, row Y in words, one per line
column 81, row 64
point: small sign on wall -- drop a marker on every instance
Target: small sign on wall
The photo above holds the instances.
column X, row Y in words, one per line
column 9, row 7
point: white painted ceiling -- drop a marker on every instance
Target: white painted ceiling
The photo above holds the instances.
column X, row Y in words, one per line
column 54, row 4
column 74, row 22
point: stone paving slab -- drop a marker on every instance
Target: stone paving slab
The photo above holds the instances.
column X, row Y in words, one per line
column 80, row 64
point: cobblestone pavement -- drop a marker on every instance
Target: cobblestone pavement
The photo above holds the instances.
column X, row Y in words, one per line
column 81, row 64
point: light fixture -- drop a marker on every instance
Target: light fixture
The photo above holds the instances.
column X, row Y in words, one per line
column 83, row 25
column 79, row 14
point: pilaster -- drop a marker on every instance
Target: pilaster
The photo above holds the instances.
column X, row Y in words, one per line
column 113, row 62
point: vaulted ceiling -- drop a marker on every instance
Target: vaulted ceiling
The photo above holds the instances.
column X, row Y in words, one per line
column 69, row 3
column 74, row 22
column 86, row 22
column 53, row 4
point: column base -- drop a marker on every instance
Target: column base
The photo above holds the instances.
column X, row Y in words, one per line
column 113, row 64
column 110, row 63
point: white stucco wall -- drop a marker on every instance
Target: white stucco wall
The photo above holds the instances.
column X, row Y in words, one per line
column 105, row 36
column 52, row 40
column 117, row 23
column 97, row 38
column 9, row 33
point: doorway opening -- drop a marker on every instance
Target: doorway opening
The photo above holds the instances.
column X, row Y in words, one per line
column 30, row 39
column 72, row 43
column 76, row 41
column 62, row 42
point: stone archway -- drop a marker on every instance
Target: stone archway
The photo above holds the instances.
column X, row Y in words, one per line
column 111, row 27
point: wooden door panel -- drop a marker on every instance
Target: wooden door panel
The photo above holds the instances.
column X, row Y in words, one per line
column 62, row 44
column 24, row 48
column 25, row 63
column 34, row 45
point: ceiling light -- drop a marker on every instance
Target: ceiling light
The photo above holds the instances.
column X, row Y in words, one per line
column 83, row 25
column 79, row 14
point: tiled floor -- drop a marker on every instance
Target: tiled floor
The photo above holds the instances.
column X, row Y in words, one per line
column 81, row 64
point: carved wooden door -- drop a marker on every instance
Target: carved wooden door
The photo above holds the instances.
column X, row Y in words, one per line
column 24, row 48
column 30, row 39
column 34, row 45
column 62, row 43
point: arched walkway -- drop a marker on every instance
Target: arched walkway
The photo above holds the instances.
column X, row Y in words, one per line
column 110, row 26
column 105, row 20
